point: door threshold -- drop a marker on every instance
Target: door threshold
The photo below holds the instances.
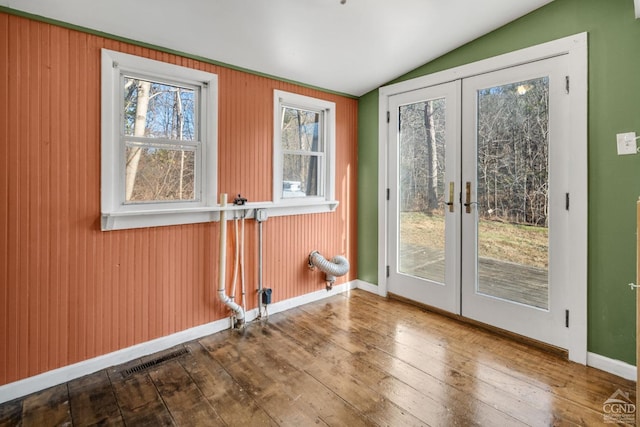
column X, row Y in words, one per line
column 557, row 351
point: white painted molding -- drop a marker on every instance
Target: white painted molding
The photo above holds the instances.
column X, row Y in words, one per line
column 304, row 299
column 67, row 373
column 383, row 184
column 636, row 4
column 369, row 287
column 613, row 366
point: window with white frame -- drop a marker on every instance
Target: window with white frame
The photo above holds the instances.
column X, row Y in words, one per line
column 159, row 143
column 304, row 150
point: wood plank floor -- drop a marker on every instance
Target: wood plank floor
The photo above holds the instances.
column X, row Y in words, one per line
column 351, row 360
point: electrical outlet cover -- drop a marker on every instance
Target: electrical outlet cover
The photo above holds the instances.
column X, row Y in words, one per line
column 626, row 143
column 261, row 215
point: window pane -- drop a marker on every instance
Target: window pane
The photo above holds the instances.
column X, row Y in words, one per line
column 301, row 130
column 301, row 176
column 157, row 110
column 159, row 173
column 513, row 192
column 421, row 181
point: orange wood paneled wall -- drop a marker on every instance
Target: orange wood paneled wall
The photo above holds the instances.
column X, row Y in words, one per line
column 70, row 292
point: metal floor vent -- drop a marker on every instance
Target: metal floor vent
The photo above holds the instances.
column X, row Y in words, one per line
column 153, row 362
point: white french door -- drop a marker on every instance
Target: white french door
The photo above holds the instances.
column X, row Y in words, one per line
column 424, row 161
column 515, row 240
column 478, row 207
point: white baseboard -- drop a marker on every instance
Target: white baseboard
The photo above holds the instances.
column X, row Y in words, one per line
column 366, row 286
column 613, row 366
column 306, row 299
column 67, row 373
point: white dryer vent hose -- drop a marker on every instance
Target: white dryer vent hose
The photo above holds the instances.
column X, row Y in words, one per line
column 337, row 266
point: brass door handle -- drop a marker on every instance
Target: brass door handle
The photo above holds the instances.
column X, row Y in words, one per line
column 467, row 203
column 450, row 202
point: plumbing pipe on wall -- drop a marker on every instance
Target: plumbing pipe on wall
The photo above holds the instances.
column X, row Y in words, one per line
column 260, row 218
column 239, row 312
column 242, row 287
column 337, row 266
column 238, row 261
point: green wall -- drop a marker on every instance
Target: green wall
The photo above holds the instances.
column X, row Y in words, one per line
column 614, row 181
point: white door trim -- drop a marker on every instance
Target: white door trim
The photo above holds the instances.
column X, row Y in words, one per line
column 576, row 48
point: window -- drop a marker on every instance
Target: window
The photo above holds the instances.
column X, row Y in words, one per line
column 158, row 143
column 304, row 150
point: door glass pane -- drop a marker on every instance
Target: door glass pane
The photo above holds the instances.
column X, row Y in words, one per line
column 513, row 192
column 421, row 190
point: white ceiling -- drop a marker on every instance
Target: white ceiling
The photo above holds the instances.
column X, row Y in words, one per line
column 350, row 48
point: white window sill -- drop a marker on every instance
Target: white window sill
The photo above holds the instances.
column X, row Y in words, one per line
column 162, row 217
column 288, row 207
column 155, row 218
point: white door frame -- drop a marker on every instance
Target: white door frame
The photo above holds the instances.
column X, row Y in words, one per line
column 576, row 48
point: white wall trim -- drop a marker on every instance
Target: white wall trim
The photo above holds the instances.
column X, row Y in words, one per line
column 613, row 366
column 67, row 373
column 636, row 4
column 383, row 186
column 304, row 299
column 64, row 374
column 116, row 214
column 369, row 287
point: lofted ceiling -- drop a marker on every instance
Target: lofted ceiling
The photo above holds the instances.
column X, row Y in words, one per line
column 350, row 48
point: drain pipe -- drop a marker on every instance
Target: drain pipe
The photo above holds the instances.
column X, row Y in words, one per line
column 239, row 312
column 337, row 266
column 244, row 297
column 260, row 217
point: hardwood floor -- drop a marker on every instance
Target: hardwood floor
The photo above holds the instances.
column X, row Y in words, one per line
column 351, row 360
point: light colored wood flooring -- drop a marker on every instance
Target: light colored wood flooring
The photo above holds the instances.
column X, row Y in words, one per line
column 353, row 359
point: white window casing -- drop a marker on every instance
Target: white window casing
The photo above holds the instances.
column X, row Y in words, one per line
column 118, row 214
column 325, row 200
column 115, row 212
